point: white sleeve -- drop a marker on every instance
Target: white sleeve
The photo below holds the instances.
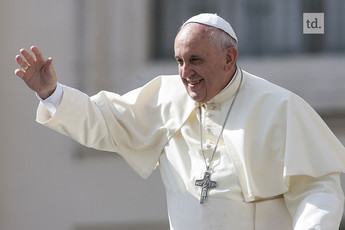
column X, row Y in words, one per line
column 315, row 203
column 53, row 101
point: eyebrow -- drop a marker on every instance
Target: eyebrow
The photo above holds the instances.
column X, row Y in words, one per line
column 195, row 56
column 191, row 56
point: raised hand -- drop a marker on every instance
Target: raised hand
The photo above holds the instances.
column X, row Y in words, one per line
column 37, row 72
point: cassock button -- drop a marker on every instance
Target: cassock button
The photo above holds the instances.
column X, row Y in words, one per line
column 208, row 160
column 213, row 106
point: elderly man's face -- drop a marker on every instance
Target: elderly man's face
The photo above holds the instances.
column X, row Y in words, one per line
column 203, row 69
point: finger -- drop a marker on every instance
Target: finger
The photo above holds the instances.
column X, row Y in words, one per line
column 49, row 62
column 29, row 58
column 48, row 65
column 21, row 62
column 20, row 73
column 38, row 54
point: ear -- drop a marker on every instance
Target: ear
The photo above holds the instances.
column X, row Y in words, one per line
column 231, row 57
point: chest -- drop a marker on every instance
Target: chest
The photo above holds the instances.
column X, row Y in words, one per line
column 183, row 162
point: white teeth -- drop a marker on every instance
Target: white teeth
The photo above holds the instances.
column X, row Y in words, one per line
column 194, row 82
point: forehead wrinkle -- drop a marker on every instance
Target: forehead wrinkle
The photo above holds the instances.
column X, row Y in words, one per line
column 192, row 36
column 192, row 32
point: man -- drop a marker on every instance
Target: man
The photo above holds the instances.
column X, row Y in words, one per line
column 234, row 151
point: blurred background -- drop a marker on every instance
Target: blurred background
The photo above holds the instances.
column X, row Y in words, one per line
column 48, row 181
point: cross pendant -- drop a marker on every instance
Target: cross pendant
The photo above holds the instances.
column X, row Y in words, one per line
column 206, row 183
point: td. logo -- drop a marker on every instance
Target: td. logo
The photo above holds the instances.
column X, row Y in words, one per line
column 313, row 23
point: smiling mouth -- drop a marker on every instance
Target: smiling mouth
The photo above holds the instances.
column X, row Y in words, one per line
column 193, row 83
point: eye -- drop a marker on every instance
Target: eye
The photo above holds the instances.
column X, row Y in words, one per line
column 196, row 60
column 179, row 61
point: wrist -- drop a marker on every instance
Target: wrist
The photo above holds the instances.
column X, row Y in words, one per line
column 45, row 95
column 53, row 101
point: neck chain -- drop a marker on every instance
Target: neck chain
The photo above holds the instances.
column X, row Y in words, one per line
column 206, row 183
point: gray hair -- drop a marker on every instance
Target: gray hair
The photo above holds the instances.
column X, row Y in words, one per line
column 221, row 39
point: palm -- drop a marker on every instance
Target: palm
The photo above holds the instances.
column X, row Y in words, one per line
column 37, row 72
column 38, row 77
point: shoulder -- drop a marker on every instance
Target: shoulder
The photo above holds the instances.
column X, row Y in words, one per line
column 170, row 89
column 167, row 82
column 161, row 90
column 270, row 97
column 163, row 82
column 263, row 89
column 261, row 85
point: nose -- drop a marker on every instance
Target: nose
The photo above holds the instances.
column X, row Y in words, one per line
column 186, row 71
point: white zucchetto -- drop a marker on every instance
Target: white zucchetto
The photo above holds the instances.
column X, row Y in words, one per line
column 213, row 20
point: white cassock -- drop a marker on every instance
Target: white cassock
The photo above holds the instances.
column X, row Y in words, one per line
column 277, row 164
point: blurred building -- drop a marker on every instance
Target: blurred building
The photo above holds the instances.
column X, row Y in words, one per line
column 48, row 181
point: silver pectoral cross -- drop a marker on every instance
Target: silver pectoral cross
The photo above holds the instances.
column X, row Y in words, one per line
column 206, row 183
